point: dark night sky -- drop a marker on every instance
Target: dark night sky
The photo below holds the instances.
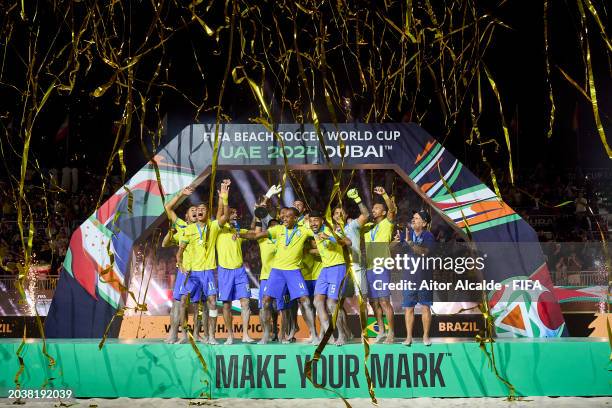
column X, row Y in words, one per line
column 516, row 57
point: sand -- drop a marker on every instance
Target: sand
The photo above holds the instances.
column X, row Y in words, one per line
column 530, row 402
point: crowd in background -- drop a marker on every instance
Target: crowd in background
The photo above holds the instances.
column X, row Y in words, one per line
column 69, row 196
column 562, row 206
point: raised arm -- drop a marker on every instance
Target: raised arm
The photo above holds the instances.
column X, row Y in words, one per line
column 363, row 210
column 174, row 201
column 223, row 202
column 168, row 238
column 390, row 202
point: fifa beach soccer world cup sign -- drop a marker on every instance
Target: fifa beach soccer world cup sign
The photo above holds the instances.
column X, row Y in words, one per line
column 96, row 267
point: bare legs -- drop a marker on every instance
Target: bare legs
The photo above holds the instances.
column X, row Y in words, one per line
column 175, row 319
column 325, row 308
column 409, row 317
column 385, row 304
column 265, row 319
column 212, row 322
column 321, row 308
column 201, row 321
column 229, row 323
column 309, row 317
column 426, row 316
column 378, row 313
column 381, row 305
column 245, row 311
column 341, row 324
column 227, row 318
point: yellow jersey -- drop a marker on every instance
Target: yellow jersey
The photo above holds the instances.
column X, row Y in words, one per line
column 267, row 249
column 229, row 248
column 289, row 246
column 181, row 226
column 377, row 239
column 202, row 239
column 330, row 251
column 311, row 266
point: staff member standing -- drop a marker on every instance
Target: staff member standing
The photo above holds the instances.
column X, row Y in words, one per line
column 420, row 242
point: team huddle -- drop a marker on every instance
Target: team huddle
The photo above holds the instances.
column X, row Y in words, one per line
column 306, row 264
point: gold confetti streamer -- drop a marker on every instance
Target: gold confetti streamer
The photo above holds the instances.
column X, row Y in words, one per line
column 308, row 58
column 548, row 84
column 503, row 121
column 591, row 82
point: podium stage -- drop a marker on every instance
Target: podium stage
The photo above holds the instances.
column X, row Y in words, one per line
column 448, row 368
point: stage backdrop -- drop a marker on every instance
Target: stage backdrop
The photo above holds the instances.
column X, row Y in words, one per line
column 85, row 300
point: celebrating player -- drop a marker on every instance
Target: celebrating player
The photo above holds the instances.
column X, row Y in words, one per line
column 329, row 282
column 202, row 236
column 173, row 238
column 352, row 230
column 378, row 236
column 285, row 274
column 233, row 279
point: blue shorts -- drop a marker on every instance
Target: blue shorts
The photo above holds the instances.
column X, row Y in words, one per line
column 329, row 281
column 422, row 297
column 380, row 281
column 200, row 283
column 310, row 286
column 281, row 281
column 281, row 304
column 178, row 284
column 233, row 284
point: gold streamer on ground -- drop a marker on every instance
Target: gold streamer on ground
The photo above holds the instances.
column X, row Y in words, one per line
column 488, row 339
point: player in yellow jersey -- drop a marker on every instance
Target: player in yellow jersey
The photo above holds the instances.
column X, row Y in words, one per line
column 172, row 238
column 201, row 237
column 329, row 282
column 232, row 277
column 352, row 230
column 285, row 274
column 378, row 236
column 267, row 249
column 311, row 268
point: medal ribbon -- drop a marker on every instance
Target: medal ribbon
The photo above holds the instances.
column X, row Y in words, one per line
column 200, row 232
column 289, row 238
column 373, row 232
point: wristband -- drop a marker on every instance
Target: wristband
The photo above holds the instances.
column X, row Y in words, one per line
column 357, row 200
column 258, row 224
column 224, row 200
column 385, row 196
